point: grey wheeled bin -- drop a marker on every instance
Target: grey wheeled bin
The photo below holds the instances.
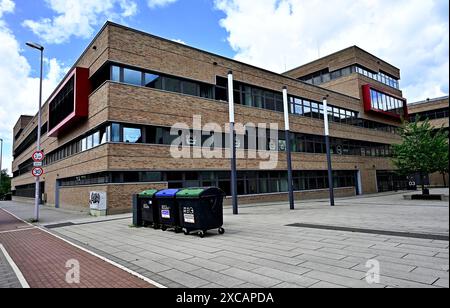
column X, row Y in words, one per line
column 168, row 209
column 201, row 209
column 149, row 208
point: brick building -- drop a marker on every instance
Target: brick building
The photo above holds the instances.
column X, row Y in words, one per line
column 436, row 111
column 107, row 125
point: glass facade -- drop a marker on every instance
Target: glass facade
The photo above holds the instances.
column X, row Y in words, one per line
column 249, row 182
column 323, row 76
column 387, row 103
column 431, row 114
column 62, row 105
column 146, row 134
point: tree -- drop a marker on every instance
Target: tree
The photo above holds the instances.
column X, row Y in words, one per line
column 424, row 150
column 5, row 183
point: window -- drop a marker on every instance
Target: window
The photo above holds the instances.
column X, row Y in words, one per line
column 172, row 85
column 132, row 135
column 115, row 73
column 132, row 77
column 190, row 88
column 115, row 132
column 153, row 81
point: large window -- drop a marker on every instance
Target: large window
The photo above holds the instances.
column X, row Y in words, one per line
column 123, row 133
column 387, row 103
column 161, row 82
column 323, row 76
column 249, row 182
column 62, row 105
column 432, row 114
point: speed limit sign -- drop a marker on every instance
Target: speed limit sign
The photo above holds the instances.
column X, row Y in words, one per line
column 36, row 172
column 38, row 156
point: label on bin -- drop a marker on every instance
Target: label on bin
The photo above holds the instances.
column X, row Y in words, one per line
column 165, row 212
column 189, row 217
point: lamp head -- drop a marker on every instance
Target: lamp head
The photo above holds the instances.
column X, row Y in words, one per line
column 35, row 46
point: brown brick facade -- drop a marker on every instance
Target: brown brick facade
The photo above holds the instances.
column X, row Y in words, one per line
column 114, row 102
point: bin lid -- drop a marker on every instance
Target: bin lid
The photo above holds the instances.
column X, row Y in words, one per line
column 199, row 192
column 148, row 193
column 167, row 193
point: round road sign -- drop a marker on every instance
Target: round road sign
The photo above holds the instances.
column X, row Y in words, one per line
column 38, row 156
column 37, row 171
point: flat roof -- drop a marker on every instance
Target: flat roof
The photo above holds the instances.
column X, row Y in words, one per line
column 338, row 52
column 430, row 100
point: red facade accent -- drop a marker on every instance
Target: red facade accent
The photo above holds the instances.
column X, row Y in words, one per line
column 367, row 99
column 82, row 90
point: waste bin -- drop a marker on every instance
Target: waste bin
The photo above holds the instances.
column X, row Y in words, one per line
column 201, row 209
column 149, row 208
column 168, row 209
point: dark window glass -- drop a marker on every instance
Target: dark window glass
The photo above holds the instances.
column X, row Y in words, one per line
column 132, row 77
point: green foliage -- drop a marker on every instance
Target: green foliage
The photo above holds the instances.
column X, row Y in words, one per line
column 5, row 183
column 423, row 151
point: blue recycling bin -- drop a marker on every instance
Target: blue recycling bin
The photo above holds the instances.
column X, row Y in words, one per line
column 168, row 210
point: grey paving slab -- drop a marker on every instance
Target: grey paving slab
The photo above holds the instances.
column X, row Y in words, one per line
column 444, row 283
column 253, row 278
column 298, row 280
column 187, row 280
column 8, row 279
column 217, row 278
column 326, row 285
column 341, row 280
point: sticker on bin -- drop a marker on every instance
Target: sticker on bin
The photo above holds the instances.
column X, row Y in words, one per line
column 189, row 217
column 165, row 212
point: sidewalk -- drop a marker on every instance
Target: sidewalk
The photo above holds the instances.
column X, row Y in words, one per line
column 42, row 258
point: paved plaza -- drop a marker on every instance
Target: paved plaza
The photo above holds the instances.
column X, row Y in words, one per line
column 270, row 246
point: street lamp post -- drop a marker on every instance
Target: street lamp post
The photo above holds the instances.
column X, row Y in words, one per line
column 288, row 148
column 232, row 145
column 327, row 144
column 38, row 142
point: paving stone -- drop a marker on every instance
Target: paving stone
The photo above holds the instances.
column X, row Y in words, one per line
column 341, row 280
column 207, row 264
column 185, row 279
column 444, row 283
column 326, row 285
column 285, row 276
column 178, row 265
column 253, row 278
column 217, row 278
column 334, row 270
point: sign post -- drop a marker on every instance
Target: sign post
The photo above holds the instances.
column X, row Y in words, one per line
column 37, row 171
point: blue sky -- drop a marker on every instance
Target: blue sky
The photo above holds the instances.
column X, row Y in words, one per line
column 273, row 34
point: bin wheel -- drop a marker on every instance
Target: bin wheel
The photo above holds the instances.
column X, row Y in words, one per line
column 186, row 232
column 202, row 234
column 177, row 230
column 221, row 231
column 164, row 228
column 156, row 226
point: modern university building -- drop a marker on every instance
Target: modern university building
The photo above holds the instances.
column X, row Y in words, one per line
column 107, row 126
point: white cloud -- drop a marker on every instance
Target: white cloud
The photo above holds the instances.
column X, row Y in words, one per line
column 411, row 34
column 78, row 18
column 19, row 91
column 179, row 41
column 159, row 3
column 6, row 6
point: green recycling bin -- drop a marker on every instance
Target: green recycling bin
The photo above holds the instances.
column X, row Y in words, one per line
column 149, row 208
column 200, row 210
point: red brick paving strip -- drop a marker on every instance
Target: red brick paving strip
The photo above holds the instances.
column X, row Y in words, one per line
column 10, row 223
column 42, row 258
